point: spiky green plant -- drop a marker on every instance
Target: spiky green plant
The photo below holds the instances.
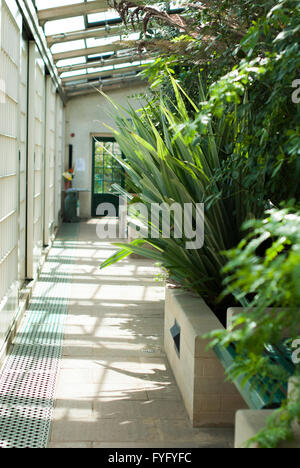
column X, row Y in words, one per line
column 166, row 166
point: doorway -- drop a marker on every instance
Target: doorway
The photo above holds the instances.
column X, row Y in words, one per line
column 106, row 171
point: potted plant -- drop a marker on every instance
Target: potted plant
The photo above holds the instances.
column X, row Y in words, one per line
column 68, row 177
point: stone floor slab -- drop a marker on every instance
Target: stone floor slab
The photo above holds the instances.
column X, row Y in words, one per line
column 115, row 388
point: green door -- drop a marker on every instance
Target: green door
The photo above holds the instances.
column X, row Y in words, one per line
column 106, row 172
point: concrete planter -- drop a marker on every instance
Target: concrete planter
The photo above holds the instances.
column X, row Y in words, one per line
column 209, row 400
column 250, row 422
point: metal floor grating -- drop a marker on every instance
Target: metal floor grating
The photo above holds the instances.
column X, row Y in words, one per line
column 28, row 377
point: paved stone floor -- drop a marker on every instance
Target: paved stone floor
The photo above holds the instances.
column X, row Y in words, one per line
column 115, row 388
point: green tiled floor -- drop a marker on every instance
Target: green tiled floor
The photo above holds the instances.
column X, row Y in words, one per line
column 28, row 377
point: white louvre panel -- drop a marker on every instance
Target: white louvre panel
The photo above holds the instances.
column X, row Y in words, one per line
column 50, row 161
column 36, row 121
column 23, row 150
column 59, row 162
column 9, row 156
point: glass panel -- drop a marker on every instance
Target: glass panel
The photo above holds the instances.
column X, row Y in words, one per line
column 43, row 4
column 74, row 73
column 64, row 25
column 72, row 61
column 103, row 16
column 103, row 41
column 98, row 165
column 67, row 46
column 107, row 170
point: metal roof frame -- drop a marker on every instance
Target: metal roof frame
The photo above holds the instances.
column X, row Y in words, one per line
column 85, row 34
column 70, row 11
column 101, row 74
column 114, row 47
column 95, row 84
column 106, row 28
column 96, row 63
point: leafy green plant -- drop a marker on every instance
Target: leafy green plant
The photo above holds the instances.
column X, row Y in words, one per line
column 268, row 161
column 265, row 269
column 250, row 81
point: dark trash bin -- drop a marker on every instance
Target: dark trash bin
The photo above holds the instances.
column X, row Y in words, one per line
column 70, row 212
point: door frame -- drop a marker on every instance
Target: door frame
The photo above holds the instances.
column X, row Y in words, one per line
column 106, row 196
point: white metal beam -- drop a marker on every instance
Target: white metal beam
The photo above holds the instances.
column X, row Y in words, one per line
column 95, row 83
column 85, row 34
column 69, row 11
column 105, row 88
column 99, row 74
column 104, row 63
column 115, row 46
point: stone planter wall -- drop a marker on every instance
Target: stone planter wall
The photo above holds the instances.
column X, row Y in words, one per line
column 249, row 422
column 209, row 400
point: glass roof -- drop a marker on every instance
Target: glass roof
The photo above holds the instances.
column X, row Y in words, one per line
column 64, row 25
column 104, row 16
column 80, row 37
column 42, row 4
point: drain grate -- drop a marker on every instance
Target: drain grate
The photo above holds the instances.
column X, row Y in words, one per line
column 28, row 377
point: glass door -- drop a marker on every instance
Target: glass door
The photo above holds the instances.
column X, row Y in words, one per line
column 106, row 171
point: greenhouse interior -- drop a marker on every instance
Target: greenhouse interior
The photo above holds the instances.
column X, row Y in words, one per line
column 149, row 226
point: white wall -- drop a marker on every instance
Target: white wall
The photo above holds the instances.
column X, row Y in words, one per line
column 86, row 117
column 24, row 212
column 10, row 54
